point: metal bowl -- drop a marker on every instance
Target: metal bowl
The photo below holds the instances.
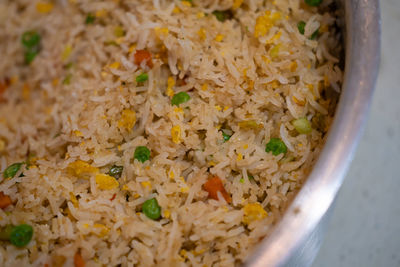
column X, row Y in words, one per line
column 296, row 239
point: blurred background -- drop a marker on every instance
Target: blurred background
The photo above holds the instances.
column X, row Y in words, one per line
column 365, row 226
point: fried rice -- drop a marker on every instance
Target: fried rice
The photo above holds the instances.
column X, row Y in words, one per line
column 168, row 133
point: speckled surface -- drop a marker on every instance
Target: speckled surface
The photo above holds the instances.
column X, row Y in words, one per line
column 365, row 226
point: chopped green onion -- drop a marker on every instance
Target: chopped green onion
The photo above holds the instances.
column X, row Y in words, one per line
column 142, row 154
column 151, row 209
column 69, row 65
column 276, row 146
column 222, row 15
column 319, row 122
column 67, row 79
column 112, row 42
column 226, row 137
column 180, row 98
column 90, row 18
column 30, row 39
column 241, row 180
column 119, row 31
column 190, row 1
column 274, row 51
column 116, row 171
column 250, row 125
column 315, row 34
column 313, row 2
column 302, row 126
column 5, row 232
column 12, row 170
column 142, row 78
column 21, row 235
column 301, row 26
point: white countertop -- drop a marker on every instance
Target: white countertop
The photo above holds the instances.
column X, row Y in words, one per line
column 365, row 226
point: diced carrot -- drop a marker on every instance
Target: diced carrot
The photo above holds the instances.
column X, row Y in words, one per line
column 143, row 55
column 5, row 201
column 215, row 185
column 78, row 260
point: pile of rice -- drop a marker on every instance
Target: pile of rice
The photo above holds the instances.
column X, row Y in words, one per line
column 77, row 110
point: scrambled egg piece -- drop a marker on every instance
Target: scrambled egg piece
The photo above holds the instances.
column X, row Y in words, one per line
column 170, row 85
column 66, row 53
column 161, row 31
column 253, row 212
column 43, row 7
column 128, row 119
column 106, row 182
column 78, row 133
column 237, row 4
column 167, row 214
column 202, row 34
column 219, row 37
column 82, row 169
column 2, row 145
column 101, row 13
column 73, row 199
column 115, row 65
column 265, row 22
column 101, row 229
column 146, row 184
column 176, row 134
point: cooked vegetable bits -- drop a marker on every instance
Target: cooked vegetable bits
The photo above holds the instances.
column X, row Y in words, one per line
column 180, row 98
column 146, row 133
column 12, row 170
column 276, row 146
column 151, row 209
column 21, row 235
column 142, row 154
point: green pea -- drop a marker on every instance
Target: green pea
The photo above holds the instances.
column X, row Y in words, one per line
column 21, row 235
column 313, row 2
column 276, row 146
column 302, row 126
column 226, row 137
column 116, row 171
column 301, row 26
column 90, row 18
column 151, row 209
column 142, row 78
column 180, row 98
column 142, row 154
column 12, row 170
column 30, row 39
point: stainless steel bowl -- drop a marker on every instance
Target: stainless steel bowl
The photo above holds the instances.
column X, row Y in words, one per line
column 296, row 239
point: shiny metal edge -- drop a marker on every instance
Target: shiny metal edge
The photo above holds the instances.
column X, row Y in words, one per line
column 289, row 239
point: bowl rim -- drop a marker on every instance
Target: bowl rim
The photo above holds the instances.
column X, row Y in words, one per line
column 362, row 55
